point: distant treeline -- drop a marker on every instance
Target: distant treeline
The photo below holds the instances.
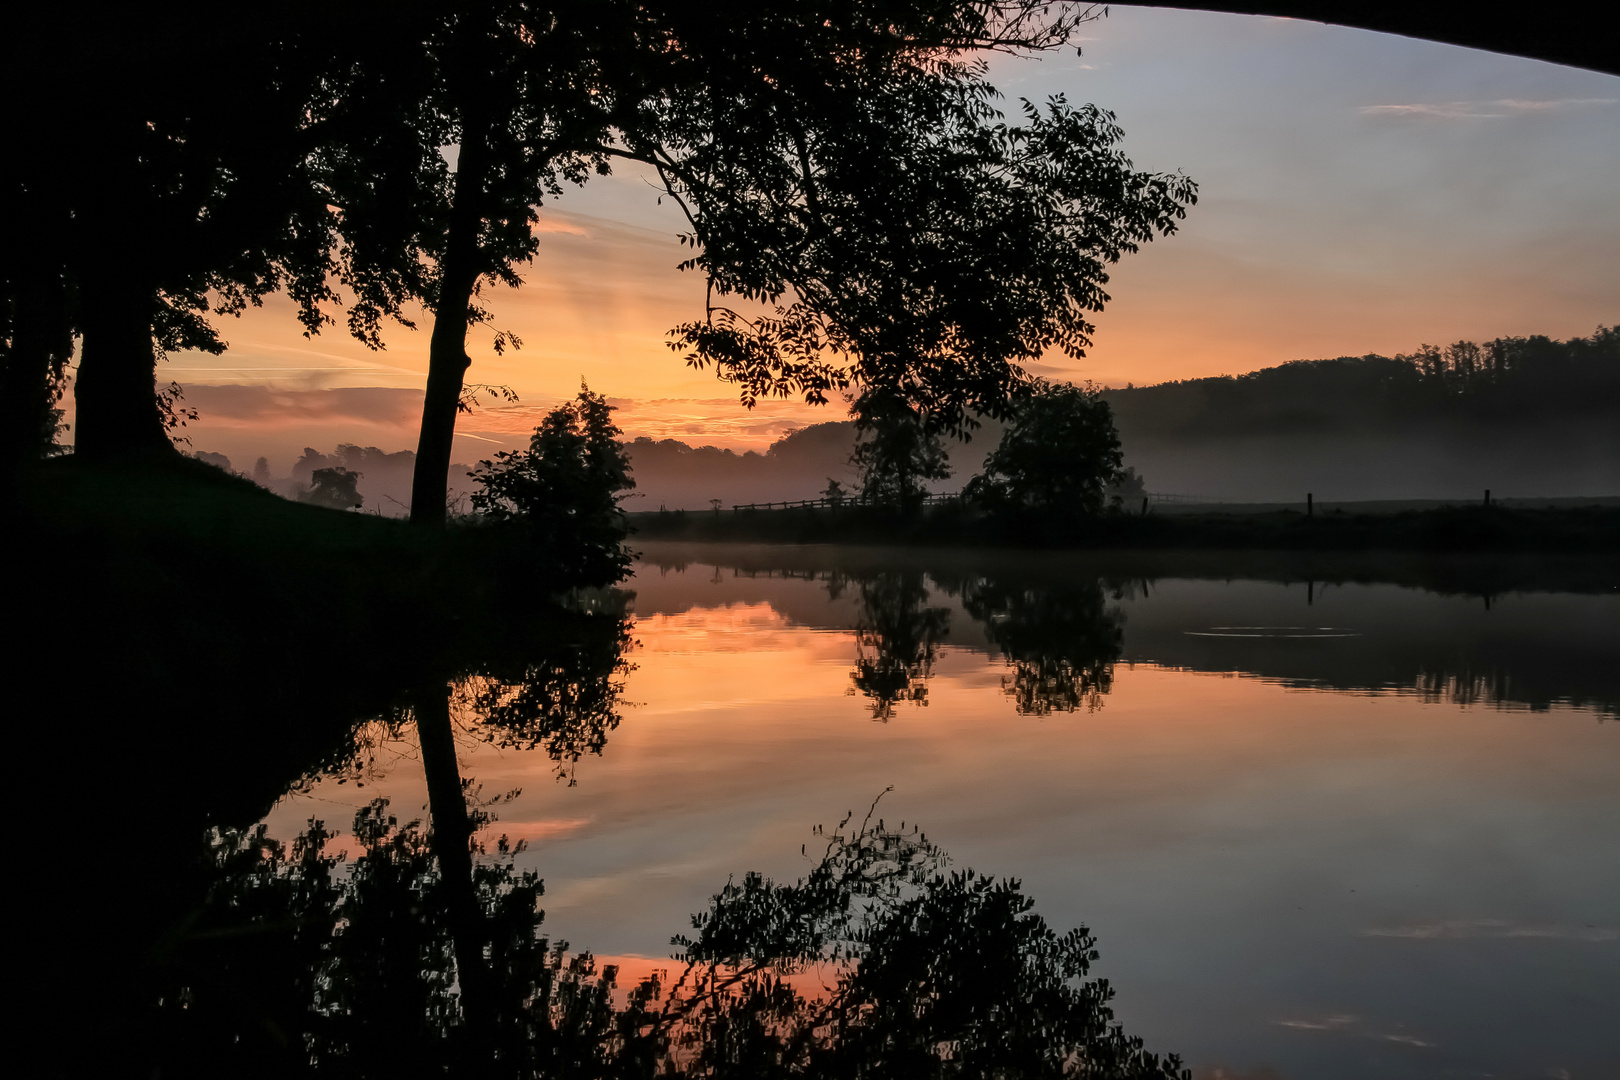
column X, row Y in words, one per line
column 1522, row 416
column 1527, row 416
column 384, row 484
column 1510, row 381
column 670, row 473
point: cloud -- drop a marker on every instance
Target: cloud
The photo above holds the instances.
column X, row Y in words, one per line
column 1493, row 928
column 715, row 420
column 250, row 419
column 1483, row 110
column 553, row 222
column 1354, row 1025
column 1327, row 1023
column 233, row 405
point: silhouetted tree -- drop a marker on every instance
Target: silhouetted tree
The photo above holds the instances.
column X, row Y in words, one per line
column 846, row 162
column 1058, row 456
column 927, row 246
column 167, row 170
column 896, row 452
column 565, row 488
column 334, row 488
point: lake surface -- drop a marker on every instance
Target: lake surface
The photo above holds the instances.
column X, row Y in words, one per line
column 1318, row 830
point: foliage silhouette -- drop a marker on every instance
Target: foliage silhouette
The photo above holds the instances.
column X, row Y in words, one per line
column 1062, row 640
column 897, row 639
column 565, row 489
column 298, row 959
column 1059, row 455
column 564, row 701
column 334, row 488
column 896, row 452
column 168, row 178
column 923, row 972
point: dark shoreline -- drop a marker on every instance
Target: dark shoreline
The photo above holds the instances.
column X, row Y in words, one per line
column 1590, row 530
column 1481, row 574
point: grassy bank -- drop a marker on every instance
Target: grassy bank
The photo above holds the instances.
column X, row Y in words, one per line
column 187, row 623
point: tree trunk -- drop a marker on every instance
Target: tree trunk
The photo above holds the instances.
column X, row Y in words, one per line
column 114, row 248
column 41, row 344
column 447, row 353
column 115, row 391
column 447, row 364
column 452, row 847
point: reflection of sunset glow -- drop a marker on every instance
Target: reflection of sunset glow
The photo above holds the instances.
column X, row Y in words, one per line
column 1212, row 827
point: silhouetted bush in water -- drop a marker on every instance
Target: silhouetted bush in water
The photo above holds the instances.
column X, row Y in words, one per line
column 564, row 702
column 1061, row 640
column 932, row 974
column 897, row 638
column 299, row 960
column 565, row 489
column 302, row 961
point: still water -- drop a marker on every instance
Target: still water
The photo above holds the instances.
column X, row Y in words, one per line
column 1318, row 830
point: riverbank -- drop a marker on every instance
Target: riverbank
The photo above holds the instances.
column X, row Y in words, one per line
column 259, row 630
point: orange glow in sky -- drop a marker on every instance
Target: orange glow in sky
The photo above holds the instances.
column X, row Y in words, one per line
column 1359, row 193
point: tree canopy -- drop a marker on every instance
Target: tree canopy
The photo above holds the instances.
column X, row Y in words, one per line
column 866, row 217
column 1058, row 456
column 163, row 176
column 565, row 488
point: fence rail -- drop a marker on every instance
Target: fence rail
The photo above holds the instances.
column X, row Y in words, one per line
column 931, row 499
column 935, row 499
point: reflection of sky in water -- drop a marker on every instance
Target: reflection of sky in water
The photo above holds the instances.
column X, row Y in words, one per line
column 1324, row 883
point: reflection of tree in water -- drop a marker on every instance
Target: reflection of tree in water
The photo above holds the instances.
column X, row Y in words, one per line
column 896, row 639
column 305, row 959
column 557, row 690
column 1062, row 641
column 880, row 962
column 566, row 700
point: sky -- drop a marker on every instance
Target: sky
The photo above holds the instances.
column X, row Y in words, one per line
column 1360, row 193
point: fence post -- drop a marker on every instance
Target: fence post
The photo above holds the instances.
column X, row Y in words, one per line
column 1310, row 505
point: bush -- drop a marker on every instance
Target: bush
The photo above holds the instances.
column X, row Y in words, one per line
column 565, row 488
column 1057, row 458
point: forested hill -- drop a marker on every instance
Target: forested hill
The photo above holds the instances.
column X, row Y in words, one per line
column 1523, row 416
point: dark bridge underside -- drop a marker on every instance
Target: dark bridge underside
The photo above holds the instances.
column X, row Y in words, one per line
column 1585, row 35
